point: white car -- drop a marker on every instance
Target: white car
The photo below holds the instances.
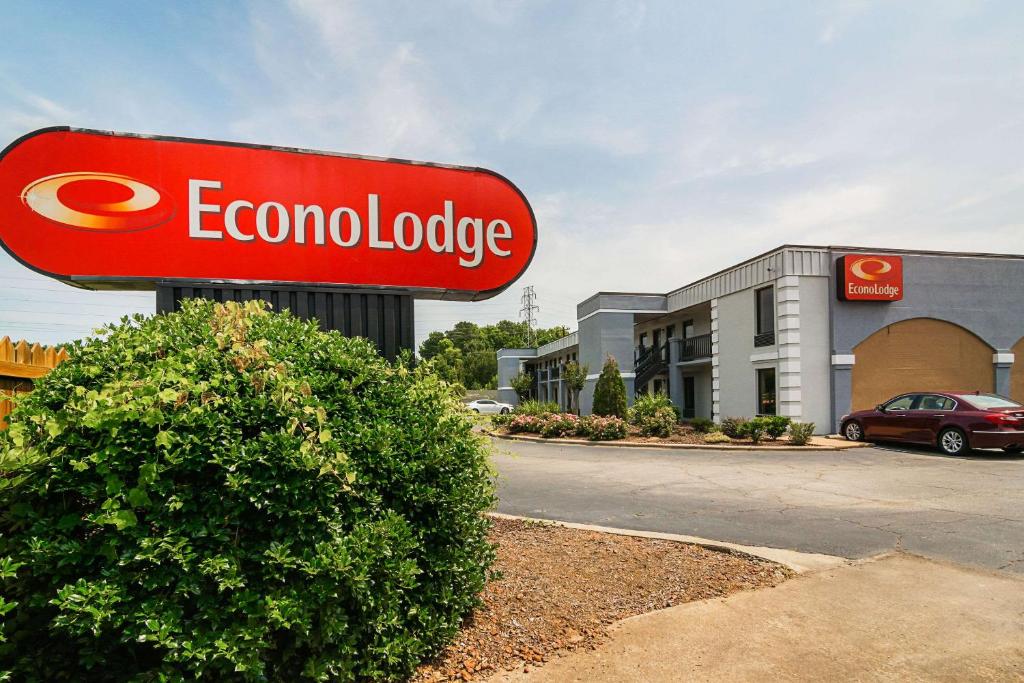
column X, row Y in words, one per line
column 486, row 406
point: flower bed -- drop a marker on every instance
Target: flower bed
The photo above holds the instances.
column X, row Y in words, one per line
column 768, row 432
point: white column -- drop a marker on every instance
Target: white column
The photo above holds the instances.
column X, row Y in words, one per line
column 787, row 293
column 716, row 413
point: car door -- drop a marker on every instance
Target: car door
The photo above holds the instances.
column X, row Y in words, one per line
column 891, row 422
column 926, row 417
column 487, row 407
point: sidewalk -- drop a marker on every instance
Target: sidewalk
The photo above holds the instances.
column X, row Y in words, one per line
column 898, row 617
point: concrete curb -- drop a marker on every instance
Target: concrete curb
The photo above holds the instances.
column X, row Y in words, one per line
column 674, row 446
column 801, row 563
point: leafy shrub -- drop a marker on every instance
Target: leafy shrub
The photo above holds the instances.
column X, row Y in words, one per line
column 716, row 437
column 536, row 408
column 654, row 415
column 756, row 428
column 610, row 391
column 560, row 424
column 501, row 419
column 531, row 424
column 733, row 427
column 775, row 425
column 598, row 428
column 800, row 433
column 702, row 425
column 230, row 494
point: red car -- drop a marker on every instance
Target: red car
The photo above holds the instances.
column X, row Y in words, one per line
column 954, row 421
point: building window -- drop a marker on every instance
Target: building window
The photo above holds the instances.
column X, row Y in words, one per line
column 764, row 330
column 766, row 391
column 659, row 387
column 687, row 329
column 643, row 340
column 670, row 331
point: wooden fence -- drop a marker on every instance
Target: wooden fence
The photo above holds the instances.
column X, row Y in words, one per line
column 20, row 363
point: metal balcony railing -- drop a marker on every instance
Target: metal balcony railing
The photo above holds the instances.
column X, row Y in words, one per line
column 694, row 348
column 764, row 339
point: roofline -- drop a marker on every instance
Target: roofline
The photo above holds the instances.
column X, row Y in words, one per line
column 852, row 249
column 819, row 247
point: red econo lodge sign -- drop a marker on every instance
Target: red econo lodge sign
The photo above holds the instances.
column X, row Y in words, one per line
column 869, row 277
column 108, row 210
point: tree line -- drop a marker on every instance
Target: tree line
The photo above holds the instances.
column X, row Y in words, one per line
column 465, row 354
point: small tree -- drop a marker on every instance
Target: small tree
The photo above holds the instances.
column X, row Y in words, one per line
column 610, row 392
column 522, row 383
column 575, row 376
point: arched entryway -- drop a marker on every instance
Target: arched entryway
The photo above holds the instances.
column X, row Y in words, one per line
column 1017, row 372
column 921, row 354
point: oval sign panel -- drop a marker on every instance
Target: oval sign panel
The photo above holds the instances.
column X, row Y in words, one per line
column 110, row 210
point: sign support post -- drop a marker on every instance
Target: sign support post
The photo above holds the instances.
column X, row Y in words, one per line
column 385, row 317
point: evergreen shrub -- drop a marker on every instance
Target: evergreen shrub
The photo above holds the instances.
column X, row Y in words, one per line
column 610, row 391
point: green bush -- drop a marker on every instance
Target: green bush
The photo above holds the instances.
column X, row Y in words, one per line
column 733, row 427
column 230, row 494
column 610, row 391
column 775, row 425
column 800, row 433
column 654, row 415
column 536, row 408
column 598, row 428
column 702, row 425
column 756, row 429
column 501, row 419
column 716, row 437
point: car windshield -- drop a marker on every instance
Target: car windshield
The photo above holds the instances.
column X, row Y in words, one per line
column 988, row 401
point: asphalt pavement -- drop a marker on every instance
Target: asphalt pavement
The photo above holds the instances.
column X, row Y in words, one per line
column 855, row 503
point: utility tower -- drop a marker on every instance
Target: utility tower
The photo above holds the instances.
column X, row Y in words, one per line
column 530, row 307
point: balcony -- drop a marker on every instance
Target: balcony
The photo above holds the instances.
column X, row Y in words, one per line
column 694, row 348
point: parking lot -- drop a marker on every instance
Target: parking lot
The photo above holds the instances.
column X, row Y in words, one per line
column 853, row 503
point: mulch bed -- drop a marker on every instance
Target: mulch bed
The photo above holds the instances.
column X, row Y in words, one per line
column 560, row 589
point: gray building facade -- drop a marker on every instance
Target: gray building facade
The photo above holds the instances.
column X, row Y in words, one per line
column 772, row 335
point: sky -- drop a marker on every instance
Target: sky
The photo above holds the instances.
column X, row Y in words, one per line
column 656, row 141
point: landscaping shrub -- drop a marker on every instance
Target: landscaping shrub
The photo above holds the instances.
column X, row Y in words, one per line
column 230, row 494
column 800, row 433
column 734, row 427
column 775, row 425
column 531, row 424
column 598, row 428
column 610, row 391
column 716, row 437
column 702, row 425
column 501, row 419
column 653, row 415
column 756, row 429
column 536, row 408
column 560, row 424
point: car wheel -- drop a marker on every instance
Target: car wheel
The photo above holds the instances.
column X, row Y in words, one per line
column 476, row 410
column 504, row 411
column 1014, row 449
column 852, row 431
column 953, row 442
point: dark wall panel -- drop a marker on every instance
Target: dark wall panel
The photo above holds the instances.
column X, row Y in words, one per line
column 384, row 318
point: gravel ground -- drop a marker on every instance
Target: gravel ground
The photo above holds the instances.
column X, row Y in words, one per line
column 559, row 590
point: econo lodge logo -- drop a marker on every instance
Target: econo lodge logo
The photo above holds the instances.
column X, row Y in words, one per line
column 862, row 277
column 105, row 202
